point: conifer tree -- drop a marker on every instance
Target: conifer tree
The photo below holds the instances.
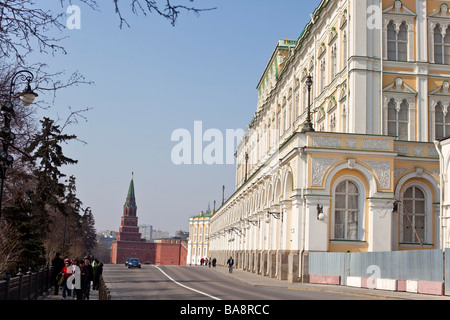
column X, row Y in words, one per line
column 48, row 158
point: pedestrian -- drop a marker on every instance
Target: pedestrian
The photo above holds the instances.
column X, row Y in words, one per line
column 97, row 273
column 58, row 265
column 90, row 277
column 230, row 264
column 76, row 285
column 67, row 271
column 214, row 262
column 201, row 261
column 209, row 262
column 84, row 280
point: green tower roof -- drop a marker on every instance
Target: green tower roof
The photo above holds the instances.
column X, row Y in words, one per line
column 131, row 200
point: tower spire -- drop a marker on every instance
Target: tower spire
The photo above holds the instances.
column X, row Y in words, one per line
column 131, row 199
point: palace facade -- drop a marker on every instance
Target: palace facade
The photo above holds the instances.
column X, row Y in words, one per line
column 199, row 233
column 367, row 178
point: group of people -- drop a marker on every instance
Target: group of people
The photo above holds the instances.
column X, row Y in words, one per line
column 208, row 262
column 75, row 276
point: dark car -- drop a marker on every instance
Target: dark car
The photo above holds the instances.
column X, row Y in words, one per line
column 126, row 261
column 134, row 263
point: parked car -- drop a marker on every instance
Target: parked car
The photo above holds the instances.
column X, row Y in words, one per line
column 134, row 263
column 126, row 261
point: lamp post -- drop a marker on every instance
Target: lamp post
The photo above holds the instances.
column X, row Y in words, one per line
column 307, row 125
column 27, row 96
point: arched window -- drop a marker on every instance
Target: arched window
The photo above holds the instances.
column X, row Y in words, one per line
column 441, row 122
column 441, row 45
column 346, row 211
column 323, row 75
column 398, row 119
column 344, row 50
column 413, row 215
column 333, row 62
column 304, row 96
column 397, row 42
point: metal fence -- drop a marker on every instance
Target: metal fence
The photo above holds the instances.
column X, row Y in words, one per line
column 28, row 286
column 423, row 265
column 103, row 291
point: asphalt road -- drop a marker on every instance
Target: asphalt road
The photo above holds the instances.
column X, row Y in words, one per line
column 195, row 283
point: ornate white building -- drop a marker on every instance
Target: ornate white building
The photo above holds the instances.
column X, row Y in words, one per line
column 199, row 233
column 367, row 179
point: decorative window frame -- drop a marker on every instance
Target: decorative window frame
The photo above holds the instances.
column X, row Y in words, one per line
column 441, row 17
column 398, row 13
column 442, row 95
column 399, row 91
column 361, row 206
column 428, row 229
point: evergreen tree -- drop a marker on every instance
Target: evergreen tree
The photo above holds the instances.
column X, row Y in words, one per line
column 48, row 158
column 88, row 229
column 28, row 231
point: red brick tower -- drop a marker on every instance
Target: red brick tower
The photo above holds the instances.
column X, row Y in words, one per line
column 129, row 230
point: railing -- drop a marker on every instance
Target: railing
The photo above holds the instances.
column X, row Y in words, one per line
column 103, row 291
column 27, row 286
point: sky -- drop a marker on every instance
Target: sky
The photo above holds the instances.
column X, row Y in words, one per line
column 151, row 79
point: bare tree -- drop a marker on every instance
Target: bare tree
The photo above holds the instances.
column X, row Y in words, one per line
column 10, row 249
column 25, row 27
column 166, row 8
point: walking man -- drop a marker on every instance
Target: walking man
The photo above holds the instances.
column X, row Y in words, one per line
column 230, row 264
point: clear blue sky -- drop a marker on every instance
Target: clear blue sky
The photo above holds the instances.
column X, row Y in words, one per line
column 152, row 79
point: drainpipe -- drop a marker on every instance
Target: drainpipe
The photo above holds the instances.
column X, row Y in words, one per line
column 303, row 214
column 438, row 146
column 381, row 70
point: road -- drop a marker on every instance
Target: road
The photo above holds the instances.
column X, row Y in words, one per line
column 196, row 283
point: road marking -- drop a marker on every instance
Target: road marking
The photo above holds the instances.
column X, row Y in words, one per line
column 182, row 285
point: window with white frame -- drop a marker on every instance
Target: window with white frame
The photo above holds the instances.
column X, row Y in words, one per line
column 397, row 42
column 398, row 119
column 414, row 215
column 333, row 61
column 323, row 75
column 441, row 121
column 346, row 211
column 441, row 44
column 344, row 50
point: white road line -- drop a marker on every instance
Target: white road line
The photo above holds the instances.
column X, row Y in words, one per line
column 182, row 285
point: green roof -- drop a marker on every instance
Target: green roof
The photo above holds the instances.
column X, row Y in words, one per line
column 131, row 199
column 207, row 214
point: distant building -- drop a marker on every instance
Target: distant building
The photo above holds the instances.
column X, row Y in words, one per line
column 130, row 244
column 146, row 231
column 106, row 237
column 158, row 234
column 182, row 235
column 198, row 245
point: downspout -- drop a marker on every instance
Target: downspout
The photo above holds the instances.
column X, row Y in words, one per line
column 438, row 146
column 347, row 118
column 381, row 70
column 303, row 215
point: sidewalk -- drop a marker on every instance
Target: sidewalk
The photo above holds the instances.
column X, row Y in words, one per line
column 50, row 296
column 261, row 281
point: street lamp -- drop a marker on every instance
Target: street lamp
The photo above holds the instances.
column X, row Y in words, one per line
column 27, row 96
column 307, row 125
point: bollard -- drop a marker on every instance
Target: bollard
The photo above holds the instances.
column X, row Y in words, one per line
column 30, row 279
column 20, row 275
column 7, row 278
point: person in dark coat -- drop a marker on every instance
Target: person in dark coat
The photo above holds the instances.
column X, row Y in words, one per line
column 58, row 265
column 97, row 273
column 90, row 277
